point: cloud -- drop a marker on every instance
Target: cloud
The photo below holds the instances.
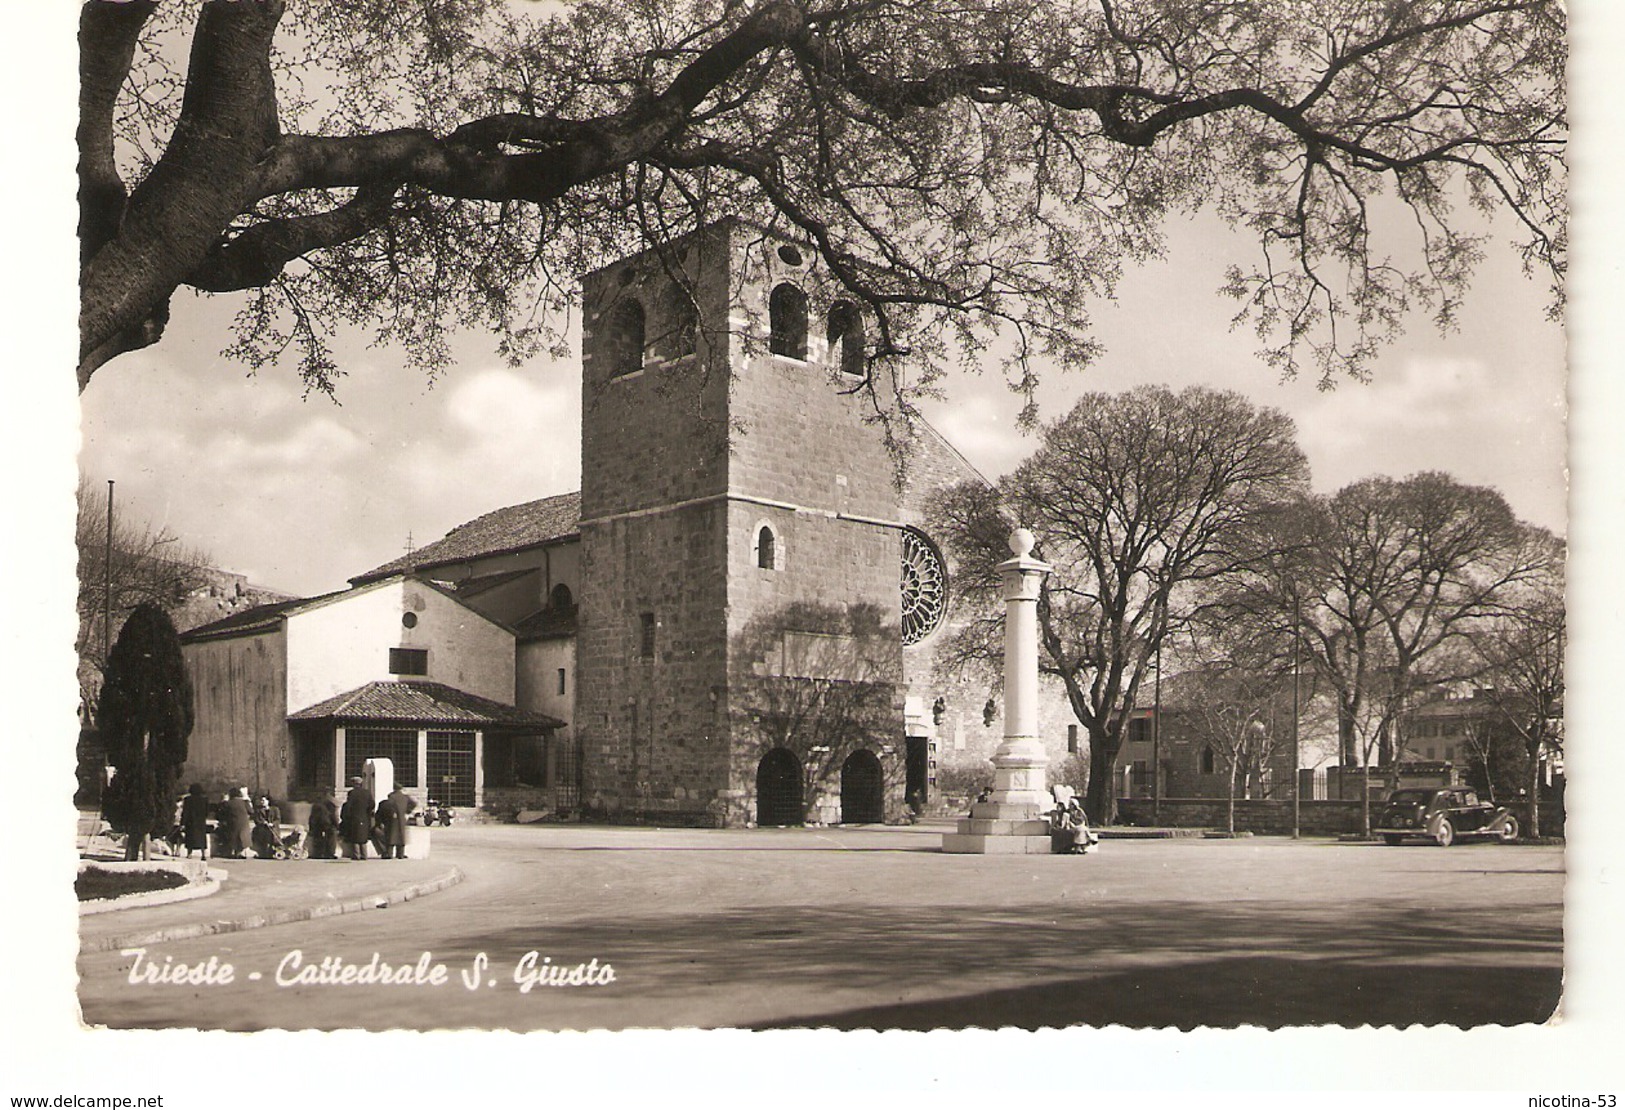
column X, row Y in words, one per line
column 1486, row 424
column 510, row 436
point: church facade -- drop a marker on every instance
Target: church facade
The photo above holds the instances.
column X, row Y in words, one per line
column 735, row 621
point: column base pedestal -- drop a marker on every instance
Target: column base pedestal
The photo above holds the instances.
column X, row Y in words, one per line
column 990, row 832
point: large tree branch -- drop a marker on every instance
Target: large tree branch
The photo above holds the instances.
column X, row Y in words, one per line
column 107, row 38
column 257, row 255
column 469, row 163
column 202, row 182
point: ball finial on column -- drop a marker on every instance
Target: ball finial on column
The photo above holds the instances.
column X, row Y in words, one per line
column 1021, row 543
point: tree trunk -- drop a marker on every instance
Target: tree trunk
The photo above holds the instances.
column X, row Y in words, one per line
column 204, row 180
column 1230, row 803
column 1365, row 798
column 1100, row 801
column 135, row 846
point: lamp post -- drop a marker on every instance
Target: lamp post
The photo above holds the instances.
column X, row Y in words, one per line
column 1297, row 752
column 107, row 580
column 1156, row 742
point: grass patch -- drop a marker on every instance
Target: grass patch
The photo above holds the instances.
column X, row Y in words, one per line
column 95, row 883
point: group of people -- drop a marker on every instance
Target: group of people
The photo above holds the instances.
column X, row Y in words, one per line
column 1069, row 827
column 243, row 824
column 359, row 823
column 239, row 823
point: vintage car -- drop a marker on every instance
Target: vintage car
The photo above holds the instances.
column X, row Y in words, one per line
column 1442, row 815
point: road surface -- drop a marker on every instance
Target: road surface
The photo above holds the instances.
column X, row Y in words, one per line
column 875, row 928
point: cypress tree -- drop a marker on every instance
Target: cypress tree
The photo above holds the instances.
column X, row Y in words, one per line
column 145, row 718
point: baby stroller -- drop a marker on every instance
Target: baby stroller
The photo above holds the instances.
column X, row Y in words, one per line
column 271, row 842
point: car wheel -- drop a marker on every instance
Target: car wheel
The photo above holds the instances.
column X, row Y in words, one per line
column 1445, row 834
column 1390, row 838
column 1509, row 831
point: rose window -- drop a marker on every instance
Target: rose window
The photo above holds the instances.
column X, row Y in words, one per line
column 925, row 587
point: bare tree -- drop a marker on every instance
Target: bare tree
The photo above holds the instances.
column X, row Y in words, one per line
column 1523, row 682
column 1234, row 710
column 1143, row 501
column 1384, row 582
column 142, row 565
column 408, row 165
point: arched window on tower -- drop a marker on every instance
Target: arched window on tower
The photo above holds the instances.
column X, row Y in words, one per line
column 560, row 599
column 1207, row 761
column 623, row 337
column 787, row 321
column 845, row 335
column 679, row 322
column 767, row 548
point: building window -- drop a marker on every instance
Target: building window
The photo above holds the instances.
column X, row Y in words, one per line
column 560, row 599
column 1139, row 730
column 398, row 745
column 450, row 759
column 845, row 334
column 1072, row 739
column 766, row 548
column 924, row 587
column 623, row 338
column 408, row 660
column 680, row 323
column 561, row 682
column 646, row 636
column 787, row 321
column 1207, row 761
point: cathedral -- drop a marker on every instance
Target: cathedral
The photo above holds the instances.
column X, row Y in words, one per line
column 736, row 621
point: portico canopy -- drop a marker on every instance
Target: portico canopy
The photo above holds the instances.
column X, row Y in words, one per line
column 422, row 703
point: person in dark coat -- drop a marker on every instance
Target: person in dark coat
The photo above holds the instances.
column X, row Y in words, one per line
column 267, row 827
column 383, row 823
column 355, row 819
column 236, row 825
column 324, row 826
column 195, row 821
column 392, row 813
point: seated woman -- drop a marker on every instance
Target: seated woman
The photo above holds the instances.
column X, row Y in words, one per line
column 1069, row 825
column 267, row 827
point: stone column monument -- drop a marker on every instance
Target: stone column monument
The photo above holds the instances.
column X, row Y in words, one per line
column 1010, row 822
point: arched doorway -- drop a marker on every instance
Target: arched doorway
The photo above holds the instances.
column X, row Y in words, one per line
column 863, row 789
column 778, row 789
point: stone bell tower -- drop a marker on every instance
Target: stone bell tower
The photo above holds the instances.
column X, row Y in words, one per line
column 738, row 643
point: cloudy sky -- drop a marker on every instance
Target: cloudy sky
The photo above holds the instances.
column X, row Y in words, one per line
column 300, row 494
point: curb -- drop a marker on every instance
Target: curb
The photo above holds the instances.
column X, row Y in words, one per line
column 209, row 884
column 279, row 917
column 1131, row 832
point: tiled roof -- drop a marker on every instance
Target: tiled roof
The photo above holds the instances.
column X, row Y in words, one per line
column 511, row 529
column 260, row 618
column 420, row 703
column 474, row 587
column 547, row 624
